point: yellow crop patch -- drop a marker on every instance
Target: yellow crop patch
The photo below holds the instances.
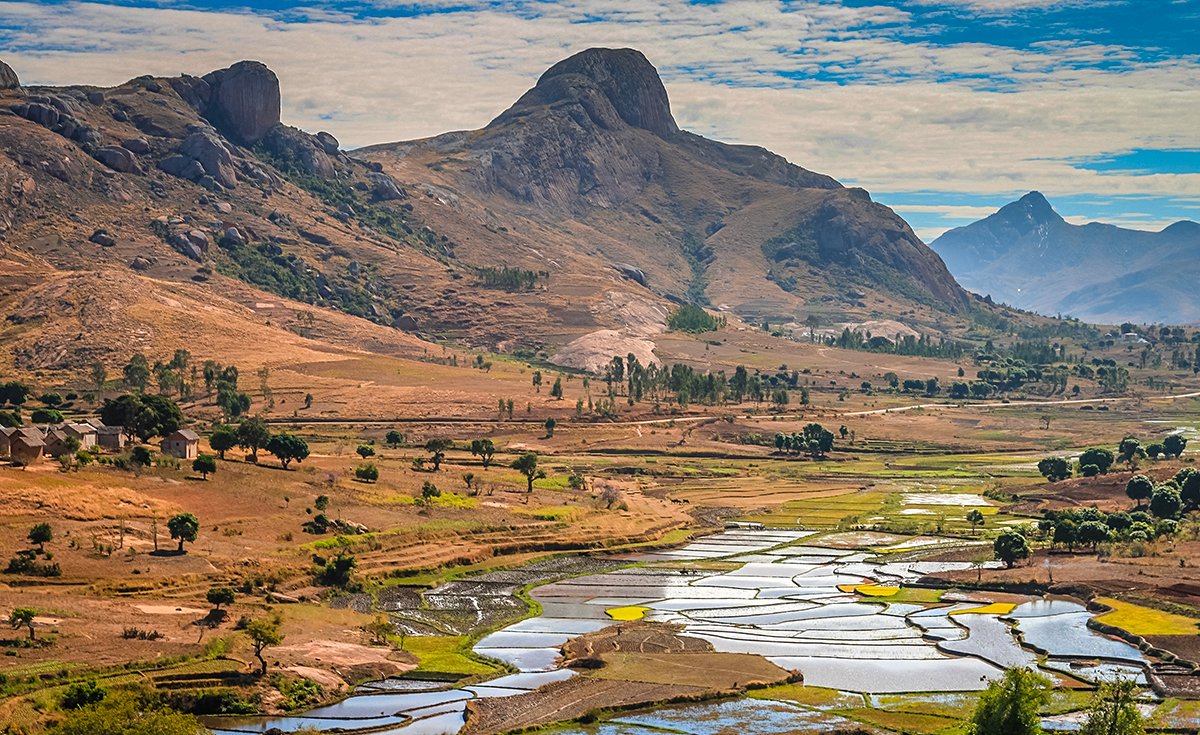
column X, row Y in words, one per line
column 1146, row 620
column 996, row 608
column 870, row 590
column 625, row 614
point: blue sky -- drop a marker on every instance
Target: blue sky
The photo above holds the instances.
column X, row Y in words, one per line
column 943, row 109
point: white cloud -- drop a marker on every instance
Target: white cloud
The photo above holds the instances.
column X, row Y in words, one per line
column 1009, row 120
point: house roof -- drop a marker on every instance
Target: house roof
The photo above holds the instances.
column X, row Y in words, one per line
column 184, row 435
column 108, row 430
column 8, row 430
column 94, row 423
column 80, row 428
column 29, row 441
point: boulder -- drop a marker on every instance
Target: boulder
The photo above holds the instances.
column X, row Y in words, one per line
column 8, row 77
column 244, row 101
column 384, row 187
column 299, row 150
column 199, row 238
column 208, row 149
column 117, row 158
column 328, row 143
column 103, row 239
column 234, row 235
column 139, row 146
column 140, row 264
column 96, row 97
column 38, row 112
column 182, row 166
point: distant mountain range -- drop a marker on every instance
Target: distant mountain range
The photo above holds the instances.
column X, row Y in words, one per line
column 1026, row 255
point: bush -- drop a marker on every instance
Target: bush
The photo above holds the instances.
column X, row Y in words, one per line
column 81, row 694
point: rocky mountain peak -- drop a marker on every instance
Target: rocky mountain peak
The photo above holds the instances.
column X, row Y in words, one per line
column 244, row 101
column 8, row 77
column 1033, row 208
column 626, row 78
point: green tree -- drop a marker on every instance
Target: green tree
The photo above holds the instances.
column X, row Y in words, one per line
column 429, row 491
column 1066, row 533
column 437, row 449
column 99, row 376
column 218, row 596
column 1173, row 445
column 222, row 439
column 287, row 448
column 1011, row 705
column 975, row 518
column 232, row 402
column 817, row 440
column 367, row 472
column 22, row 617
column 1165, row 502
column 51, row 400
column 137, row 373
column 550, row 424
column 1114, row 711
column 485, row 449
column 264, row 632
column 1130, row 449
column 205, row 464
column 1089, row 470
column 143, row 416
column 527, row 464
column 537, row 380
column 1055, row 469
column 253, row 434
column 394, row 438
column 1099, row 456
column 365, row 450
column 41, row 534
column 1010, row 547
column 1093, row 533
column 184, row 527
column 1139, row 489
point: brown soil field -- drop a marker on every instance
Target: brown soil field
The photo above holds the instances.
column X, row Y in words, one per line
column 635, row 637
column 566, row 700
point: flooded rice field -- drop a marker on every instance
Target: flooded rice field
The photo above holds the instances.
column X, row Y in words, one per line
column 785, row 597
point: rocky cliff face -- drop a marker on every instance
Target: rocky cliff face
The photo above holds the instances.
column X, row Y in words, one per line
column 244, row 101
column 8, row 77
column 594, row 145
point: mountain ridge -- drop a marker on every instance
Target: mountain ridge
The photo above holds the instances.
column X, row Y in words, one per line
column 1027, row 255
column 579, row 213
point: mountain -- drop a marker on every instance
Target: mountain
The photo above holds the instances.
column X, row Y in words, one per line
column 1028, row 256
column 567, row 228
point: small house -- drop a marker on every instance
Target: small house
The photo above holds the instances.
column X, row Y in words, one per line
column 6, row 435
column 27, row 446
column 111, row 438
column 85, row 434
column 56, row 442
column 184, row 444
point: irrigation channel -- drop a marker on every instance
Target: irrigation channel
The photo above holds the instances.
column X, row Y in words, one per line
column 821, row 608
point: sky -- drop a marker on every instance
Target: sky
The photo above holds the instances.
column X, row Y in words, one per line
column 944, row 109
